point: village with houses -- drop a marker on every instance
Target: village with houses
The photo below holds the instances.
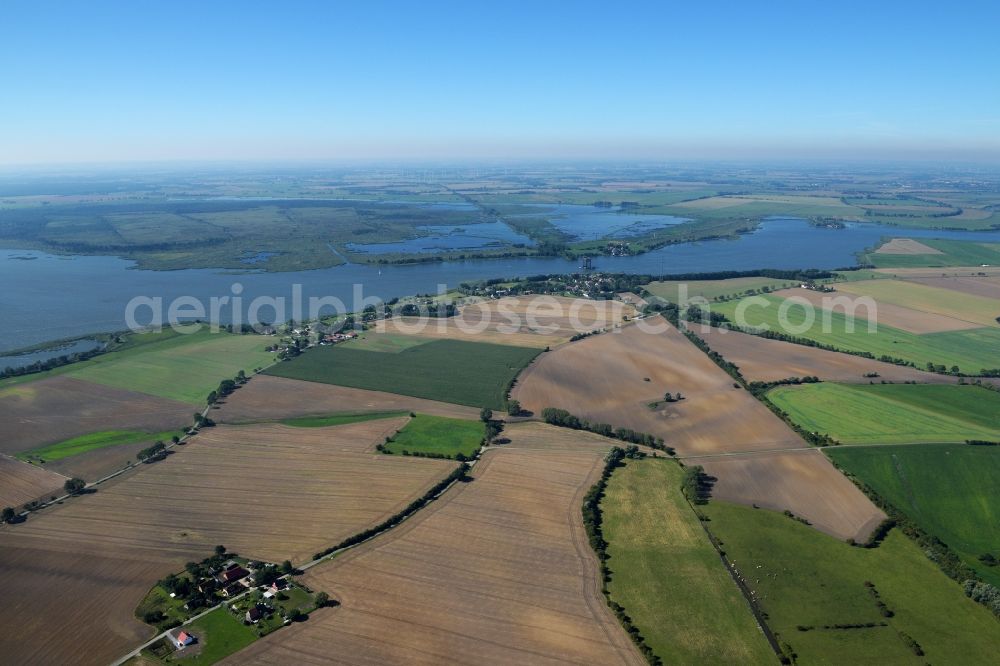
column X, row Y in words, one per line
column 221, row 599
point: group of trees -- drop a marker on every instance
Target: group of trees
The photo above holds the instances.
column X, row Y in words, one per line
column 152, row 453
column 696, row 485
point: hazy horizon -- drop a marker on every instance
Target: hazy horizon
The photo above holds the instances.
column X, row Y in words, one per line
column 119, row 82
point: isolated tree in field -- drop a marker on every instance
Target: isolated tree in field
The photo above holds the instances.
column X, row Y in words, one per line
column 486, row 414
column 295, row 615
column 7, row 514
column 175, row 439
column 322, row 599
column 286, row 567
column 513, row 407
column 74, row 485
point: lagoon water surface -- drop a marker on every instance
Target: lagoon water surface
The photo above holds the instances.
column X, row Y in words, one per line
column 53, row 297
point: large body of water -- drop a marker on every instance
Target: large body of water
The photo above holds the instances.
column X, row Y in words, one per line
column 46, row 297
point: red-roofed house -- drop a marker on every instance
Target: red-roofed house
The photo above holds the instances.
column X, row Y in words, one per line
column 233, row 573
column 183, row 639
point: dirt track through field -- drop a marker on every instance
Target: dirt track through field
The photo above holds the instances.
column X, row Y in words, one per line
column 764, row 360
column 267, row 491
column 603, row 379
column 498, row 571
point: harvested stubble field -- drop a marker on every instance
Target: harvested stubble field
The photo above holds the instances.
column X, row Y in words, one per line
column 268, row 491
column 764, row 360
column 603, row 379
column 982, row 286
column 932, row 301
column 880, row 311
column 712, row 289
column 21, row 482
column 803, row 482
column 267, row 398
column 497, row 571
column 55, row 409
column 906, row 246
column 971, row 349
column 524, row 321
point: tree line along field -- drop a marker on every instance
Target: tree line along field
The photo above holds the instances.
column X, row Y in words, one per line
column 668, row 576
column 456, row 371
column 498, row 570
column 268, row 491
column 948, row 489
column 892, row 413
column 971, row 350
column 948, row 253
column 807, row 582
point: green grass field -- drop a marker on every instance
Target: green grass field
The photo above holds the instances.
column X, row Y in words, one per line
column 892, row 413
column 948, row 489
column 954, row 253
column 438, row 435
column 464, row 373
column 712, row 289
column 971, row 350
column 220, row 635
column 668, row 576
column 337, row 419
column 181, row 367
column 391, row 343
column 90, row 442
column 805, row 578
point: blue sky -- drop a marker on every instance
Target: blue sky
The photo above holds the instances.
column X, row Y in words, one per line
column 106, row 81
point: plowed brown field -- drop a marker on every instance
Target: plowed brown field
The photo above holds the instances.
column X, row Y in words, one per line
column 602, row 378
column 498, row 571
column 59, row 408
column 760, row 359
